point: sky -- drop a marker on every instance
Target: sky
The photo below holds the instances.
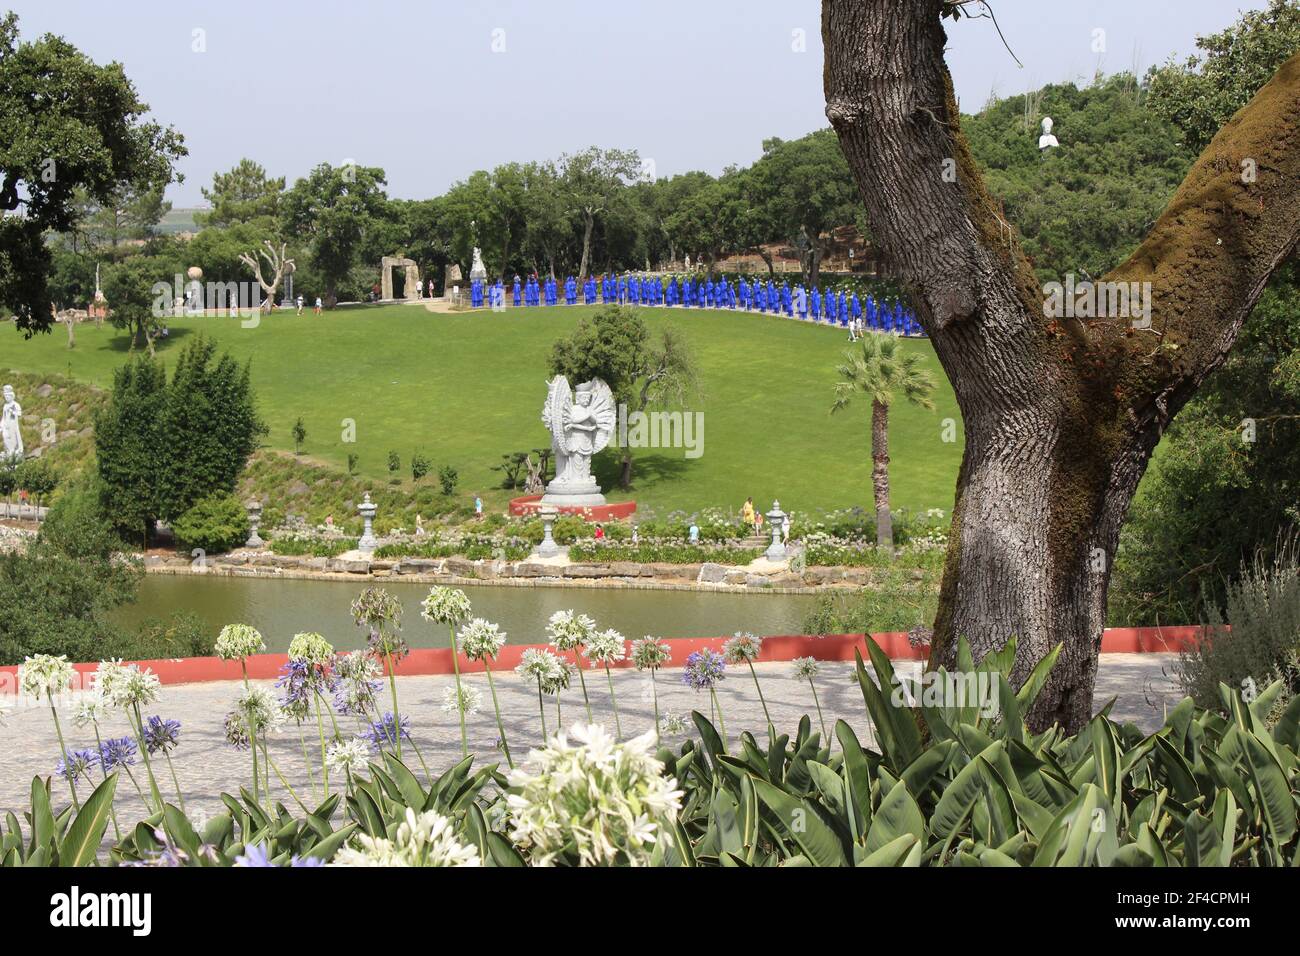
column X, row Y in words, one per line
column 432, row 91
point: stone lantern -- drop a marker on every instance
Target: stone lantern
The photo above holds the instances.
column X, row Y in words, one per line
column 367, row 509
column 776, row 519
column 548, row 547
column 254, row 520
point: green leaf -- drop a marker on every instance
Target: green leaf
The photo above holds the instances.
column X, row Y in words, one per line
column 960, row 795
column 1277, row 804
column 82, row 841
column 803, row 824
column 897, row 814
column 892, row 853
column 327, row 847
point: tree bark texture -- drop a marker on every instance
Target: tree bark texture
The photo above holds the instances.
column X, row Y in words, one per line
column 1061, row 415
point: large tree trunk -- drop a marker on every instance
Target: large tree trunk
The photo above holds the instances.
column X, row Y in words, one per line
column 880, row 474
column 1061, row 415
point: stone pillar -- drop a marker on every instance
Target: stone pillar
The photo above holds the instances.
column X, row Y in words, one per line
column 367, row 508
column 548, row 547
column 775, row 518
column 254, row 520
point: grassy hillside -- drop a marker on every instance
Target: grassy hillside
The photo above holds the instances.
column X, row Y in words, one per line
column 466, row 388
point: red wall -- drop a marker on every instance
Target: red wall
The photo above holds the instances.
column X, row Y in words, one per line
column 782, row 647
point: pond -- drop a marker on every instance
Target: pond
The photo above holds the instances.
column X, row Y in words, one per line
column 280, row 608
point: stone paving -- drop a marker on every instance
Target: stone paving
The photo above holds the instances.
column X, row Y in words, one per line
column 206, row 765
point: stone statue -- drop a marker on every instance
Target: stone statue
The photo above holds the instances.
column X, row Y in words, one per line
column 477, row 270
column 1047, row 140
column 581, row 422
column 10, row 433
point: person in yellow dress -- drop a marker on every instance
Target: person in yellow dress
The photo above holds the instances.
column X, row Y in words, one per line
column 747, row 512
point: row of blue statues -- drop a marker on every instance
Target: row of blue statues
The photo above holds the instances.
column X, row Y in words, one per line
column 832, row 306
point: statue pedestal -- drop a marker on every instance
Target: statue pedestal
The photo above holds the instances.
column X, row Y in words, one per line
column 573, row 494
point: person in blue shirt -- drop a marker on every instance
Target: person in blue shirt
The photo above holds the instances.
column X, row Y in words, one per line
column 816, row 304
column 517, row 291
column 855, row 309
column 844, row 308
column 801, row 301
column 786, row 301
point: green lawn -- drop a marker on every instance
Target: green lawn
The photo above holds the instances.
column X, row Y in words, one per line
column 468, row 387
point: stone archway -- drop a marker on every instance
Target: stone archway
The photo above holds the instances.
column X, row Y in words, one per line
column 411, row 286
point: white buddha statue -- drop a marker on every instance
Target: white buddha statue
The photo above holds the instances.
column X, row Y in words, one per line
column 1047, row 140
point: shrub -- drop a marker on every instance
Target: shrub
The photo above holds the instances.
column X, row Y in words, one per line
column 184, row 634
column 315, row 547
column 216, row 523
column 447, row 477
column 1261, row 641
column 420, row 466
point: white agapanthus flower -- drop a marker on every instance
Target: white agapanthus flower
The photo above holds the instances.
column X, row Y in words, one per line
column 425, row 840
column 124, row 685
column 446, row 605
column 538, row 665
column 604, row 647
column 237, row 641
column 673, row 725
column 311, row 648
column 568, row 629
column 804, row 668
column 88, row 709
column 648, row 654
column 44, row 675
column 470, row 700
column 608, row 802
column 480, row 639
column 345, row 755
column 260, row 708
column 742, row 647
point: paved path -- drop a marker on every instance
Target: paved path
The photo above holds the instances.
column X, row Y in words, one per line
column 206, row 765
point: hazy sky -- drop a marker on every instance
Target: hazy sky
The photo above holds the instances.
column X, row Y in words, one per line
column 432, row 91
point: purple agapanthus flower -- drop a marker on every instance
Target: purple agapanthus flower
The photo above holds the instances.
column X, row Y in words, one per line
column 257, row 856
column 117, row 752
column 382, row 733
column 704, row 669
column 161, row 735
column 299, row 681
column 77, row 765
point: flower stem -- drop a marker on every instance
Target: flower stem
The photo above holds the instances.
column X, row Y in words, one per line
column 112, row 808
column 829, row 740
column 541, row 707
column 754, row 674
column 175, row 780
column 460, row 698
column 583, row 681
column 320, row 726
column 248, row 719
column 497, row 707
column 154, row 789
column 72, row 784
column 654, row 693
column 618, row 727
column 722, row 724
column 392, row 684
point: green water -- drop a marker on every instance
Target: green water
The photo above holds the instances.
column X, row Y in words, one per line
column 280, row 608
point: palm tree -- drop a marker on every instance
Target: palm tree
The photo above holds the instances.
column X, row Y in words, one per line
column 880, row 367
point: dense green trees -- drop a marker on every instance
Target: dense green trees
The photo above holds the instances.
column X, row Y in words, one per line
column 161, row 447
column 1223, row 491
column 1082, row 207
column 55, row 595
column 87, row 140
column 332, row 210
